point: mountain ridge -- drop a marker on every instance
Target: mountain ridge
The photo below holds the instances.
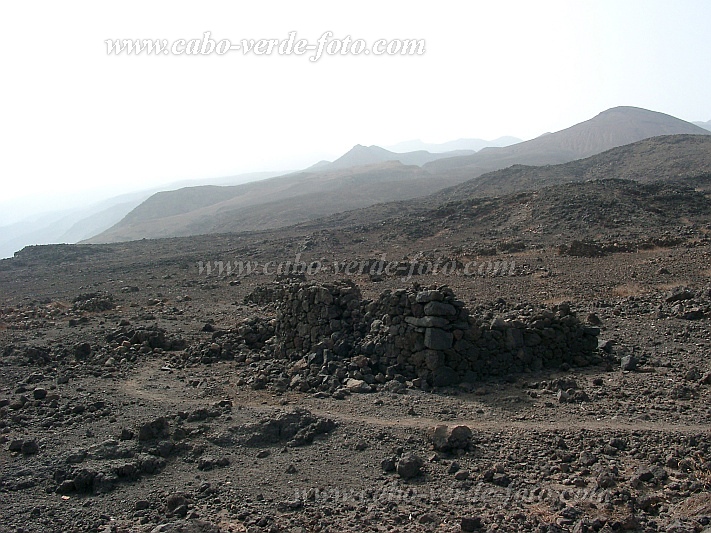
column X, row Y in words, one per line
column 672, row 158
column 311, row 194
column 474, row 145
column 361, row 155
column 611, row 128
column 649, row 160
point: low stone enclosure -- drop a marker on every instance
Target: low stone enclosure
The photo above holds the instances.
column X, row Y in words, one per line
column 424, row 335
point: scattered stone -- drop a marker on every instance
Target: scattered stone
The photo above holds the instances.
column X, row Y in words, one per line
column 587, row 459
column 450, row 438
column 679, row 294
column 409, row 466
column 692, row 375
column 462, row 475
column 24, row 446
column 629, row 363
column 177, row 504
column 191, row 525
column 469, row 524
column 357, row 386
column 76, row 456
column 580, row 396
column 593, row 320
column 395, row 386
column 389, row 464
column 296, row 428
column 141, row 505
column 563, row 396
column 82, row 351
column 360, row 446
column 428, row 518
column 39, row 393
column 618, row 443
column 651, row 474
column 606, row 480
column 209, row 462
column 501, row 479
column 155, row 429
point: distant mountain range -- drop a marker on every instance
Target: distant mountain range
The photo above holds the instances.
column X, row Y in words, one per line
column 410, row 152
column 369, row 155
column 661, row 158
column 272, row 203
column 365, row 176
column 615, row 127
column 473, row 145
column 74, row 225
column 706, row 125
column 680, row 159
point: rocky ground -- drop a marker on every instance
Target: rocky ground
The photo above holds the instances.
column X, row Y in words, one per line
column 129, row 398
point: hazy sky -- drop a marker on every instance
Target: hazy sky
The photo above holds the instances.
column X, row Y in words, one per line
column 73, row 118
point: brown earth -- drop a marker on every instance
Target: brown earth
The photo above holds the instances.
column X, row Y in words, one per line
column 111, row 420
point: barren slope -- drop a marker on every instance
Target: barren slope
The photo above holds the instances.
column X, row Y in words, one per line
column 615, row 127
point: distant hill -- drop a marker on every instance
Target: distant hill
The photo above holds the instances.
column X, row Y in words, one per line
column 460, row 144
column 361, row 155
column 662, row 158
column 682, row 159
column 597, row 209
column 271, row 203
column 365, row 176
column 67, row 226
column 77, row 224
column 615, row 127
column 706, row 125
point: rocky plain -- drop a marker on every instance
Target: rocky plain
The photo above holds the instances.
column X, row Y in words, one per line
column 534, row 362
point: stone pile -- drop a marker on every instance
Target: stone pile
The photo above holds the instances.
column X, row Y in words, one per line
column 686, row 303
column 337, row 340
column 252, row 334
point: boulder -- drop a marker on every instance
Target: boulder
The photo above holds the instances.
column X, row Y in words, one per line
column 356, row 385
column 409, row 466
column 450, row 438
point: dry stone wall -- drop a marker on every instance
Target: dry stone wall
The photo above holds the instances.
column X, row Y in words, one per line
column 426, row 335
column 310, row 316
column 431, row 335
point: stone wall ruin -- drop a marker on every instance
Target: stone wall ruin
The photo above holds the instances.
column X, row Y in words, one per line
column 424, row 335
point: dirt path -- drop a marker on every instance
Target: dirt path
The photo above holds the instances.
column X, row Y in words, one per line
column 150, row 384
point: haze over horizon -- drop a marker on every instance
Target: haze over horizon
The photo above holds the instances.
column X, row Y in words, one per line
column 79, row 125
